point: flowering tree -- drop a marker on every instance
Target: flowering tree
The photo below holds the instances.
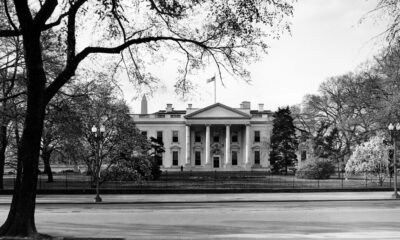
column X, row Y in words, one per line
column 370, row 158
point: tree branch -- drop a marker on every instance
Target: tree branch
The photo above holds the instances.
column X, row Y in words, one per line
column 69, row 70
column 9, row 33
column 17, row 32
column 9, row 17
column 24, row 15
column 45, row 12
column 55, row 23
column 12, row 96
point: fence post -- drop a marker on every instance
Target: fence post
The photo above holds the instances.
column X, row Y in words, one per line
column 366, row 181
column 166, row 178
column 215, row 178
column 318, row 182
column 293, row 181
column 342, row 181
column 390, row 181
column 271, row 179
column 66, row 180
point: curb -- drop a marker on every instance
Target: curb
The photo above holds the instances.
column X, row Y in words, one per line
column 198, row 191
column 208, row 202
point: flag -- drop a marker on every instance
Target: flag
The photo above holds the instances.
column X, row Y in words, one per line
column 211, row 79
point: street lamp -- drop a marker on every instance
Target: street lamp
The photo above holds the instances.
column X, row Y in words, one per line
column 98, row 135
column 394, row 131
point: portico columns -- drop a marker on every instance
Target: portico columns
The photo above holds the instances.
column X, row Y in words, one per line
column 247, row 145
column 187, row 162
column 227, row 144
column 207, row 144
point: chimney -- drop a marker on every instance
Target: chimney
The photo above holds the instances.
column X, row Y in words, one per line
column 144, row 105
column 245, row 105
column 189, row 105
column 169, row 107
column 261, row 107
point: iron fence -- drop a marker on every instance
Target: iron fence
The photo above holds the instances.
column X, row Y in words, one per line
column 210, row 180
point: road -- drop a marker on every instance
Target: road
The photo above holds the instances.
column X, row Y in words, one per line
column 241, row 220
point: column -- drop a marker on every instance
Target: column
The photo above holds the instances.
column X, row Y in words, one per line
column 247, row 145
column 187, row 162
column 207, row 144
column 227, row 144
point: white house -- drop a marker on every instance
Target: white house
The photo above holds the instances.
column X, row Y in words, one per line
column 209, row 138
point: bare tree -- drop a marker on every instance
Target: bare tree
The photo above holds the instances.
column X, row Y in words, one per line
column 11, row 77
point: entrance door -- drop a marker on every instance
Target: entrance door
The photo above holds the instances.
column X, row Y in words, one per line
column 216, row 161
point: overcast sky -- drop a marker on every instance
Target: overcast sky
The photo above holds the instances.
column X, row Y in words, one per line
column 327, row 40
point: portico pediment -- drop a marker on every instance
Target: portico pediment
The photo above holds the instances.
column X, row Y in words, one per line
column 217, row 111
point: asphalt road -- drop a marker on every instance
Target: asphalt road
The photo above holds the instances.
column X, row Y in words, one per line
column 208, row 198
column 378, row 219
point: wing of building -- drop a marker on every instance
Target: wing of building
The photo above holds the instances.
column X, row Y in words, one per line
column 210, row 138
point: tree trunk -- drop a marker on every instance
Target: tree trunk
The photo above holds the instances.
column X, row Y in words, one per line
column 3, row 146
column 21, row 218
column 47, row 168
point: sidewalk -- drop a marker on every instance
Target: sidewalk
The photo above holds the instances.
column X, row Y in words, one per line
column 209, row 198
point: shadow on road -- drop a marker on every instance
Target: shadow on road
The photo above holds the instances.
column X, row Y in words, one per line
column 77, row 238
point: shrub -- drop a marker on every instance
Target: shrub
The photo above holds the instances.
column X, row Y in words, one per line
column 120, row 173
column 132, row 169
column 319, row 168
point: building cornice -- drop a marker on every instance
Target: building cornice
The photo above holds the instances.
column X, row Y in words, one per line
column 160, row 122
column 190, row 115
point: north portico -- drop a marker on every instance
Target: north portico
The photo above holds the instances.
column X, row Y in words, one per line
column 210, row 138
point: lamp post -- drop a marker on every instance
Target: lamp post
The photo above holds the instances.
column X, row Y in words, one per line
column 98, row 137
column 394, row 131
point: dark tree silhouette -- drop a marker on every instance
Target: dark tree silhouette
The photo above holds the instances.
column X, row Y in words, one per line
column 157, row 149
column 283, row 141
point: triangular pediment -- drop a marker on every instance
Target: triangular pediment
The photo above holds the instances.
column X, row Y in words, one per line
column 218, row 110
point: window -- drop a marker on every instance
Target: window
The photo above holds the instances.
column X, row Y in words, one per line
column 175, row 116
column 144, row 133
column 159, row 136
column 197, row 137
column 234, row 137
column 175, row 137
column 197, row 158
column 174, row 158
column 160, row 116
column 256, row 136
column 216, row 138
column 256, row 157
column 234, row 158
column 303, row 155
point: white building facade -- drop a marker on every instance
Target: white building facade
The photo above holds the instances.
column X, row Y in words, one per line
column 210, row 138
